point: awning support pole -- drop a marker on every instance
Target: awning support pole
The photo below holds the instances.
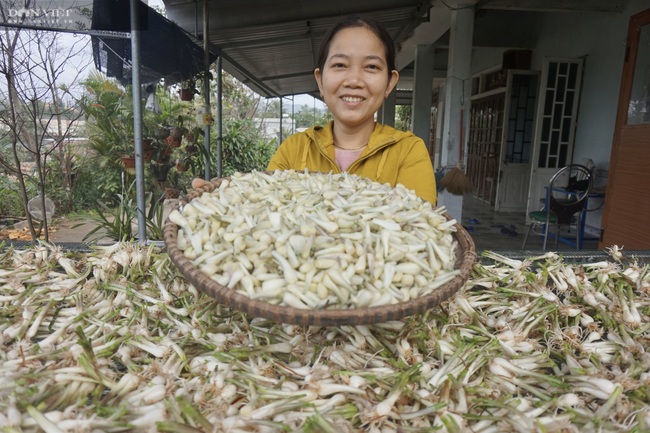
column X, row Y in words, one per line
column 206, row 85
column 219, row 116
column 137, row 120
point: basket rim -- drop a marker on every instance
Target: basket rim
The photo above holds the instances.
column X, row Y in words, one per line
column 465, row 260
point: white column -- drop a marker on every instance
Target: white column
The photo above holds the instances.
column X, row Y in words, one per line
column 422, row 90
column 457, row 100
column 386, row 113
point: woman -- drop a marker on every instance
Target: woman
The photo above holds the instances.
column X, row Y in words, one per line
column 356, row 72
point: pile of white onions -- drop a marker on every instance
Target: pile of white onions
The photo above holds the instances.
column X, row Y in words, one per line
column 318, row 240
column 116, row 340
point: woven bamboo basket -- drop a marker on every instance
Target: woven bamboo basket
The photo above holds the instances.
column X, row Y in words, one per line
column 465, row 260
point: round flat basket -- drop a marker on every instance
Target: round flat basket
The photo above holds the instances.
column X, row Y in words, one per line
column 465, row 260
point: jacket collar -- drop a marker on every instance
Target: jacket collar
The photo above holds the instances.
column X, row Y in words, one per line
column 381, row 136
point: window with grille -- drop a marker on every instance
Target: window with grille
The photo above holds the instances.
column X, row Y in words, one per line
column 561, row 87
column 521, row 119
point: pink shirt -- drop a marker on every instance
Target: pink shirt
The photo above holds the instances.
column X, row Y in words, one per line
column 344, row 158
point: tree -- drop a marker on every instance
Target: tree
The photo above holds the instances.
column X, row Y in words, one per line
column 37, row 72
column 270, row 108
column 403, row 116
column 244, row 146
column 307, row 116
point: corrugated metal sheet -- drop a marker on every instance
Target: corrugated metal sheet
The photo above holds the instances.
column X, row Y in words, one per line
column 271, row 46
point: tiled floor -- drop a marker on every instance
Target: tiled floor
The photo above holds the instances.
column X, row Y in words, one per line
column 505, row 230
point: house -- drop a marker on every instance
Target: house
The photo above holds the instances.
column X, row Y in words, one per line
column 271, row 127
column 570, row 64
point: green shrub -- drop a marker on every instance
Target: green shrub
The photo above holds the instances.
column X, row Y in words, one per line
column 92, row 185
column 244, row 149
column 11, row 204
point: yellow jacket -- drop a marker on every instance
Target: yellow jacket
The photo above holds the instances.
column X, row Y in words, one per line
column 392, row 156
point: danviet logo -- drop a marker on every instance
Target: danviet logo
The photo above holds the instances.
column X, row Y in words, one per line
column 41, row 17
column 38, row 13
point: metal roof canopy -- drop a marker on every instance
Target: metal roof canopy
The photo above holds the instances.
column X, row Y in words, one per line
column 271, row 46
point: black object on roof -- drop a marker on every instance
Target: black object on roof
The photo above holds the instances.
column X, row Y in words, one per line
column 166, row 50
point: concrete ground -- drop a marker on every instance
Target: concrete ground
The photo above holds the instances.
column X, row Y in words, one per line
column 67, row 232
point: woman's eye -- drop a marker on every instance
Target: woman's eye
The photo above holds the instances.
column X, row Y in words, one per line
column 376, row 67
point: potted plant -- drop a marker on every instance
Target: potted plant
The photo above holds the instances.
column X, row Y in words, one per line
column 188, row 90
column 175, row 136
column 183, row 164
column 122, row 131
column 191, row 138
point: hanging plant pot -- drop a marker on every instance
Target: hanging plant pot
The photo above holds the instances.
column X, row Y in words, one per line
column 172, row 193
column 128, row 162
column 162, row 133
column 148, row 154
column 160, row 171
column 186, row 94
column 172, row 141
column 190, row 149
column 147, row 143
column 147, row 149
column 182, row 166
column 176, row 133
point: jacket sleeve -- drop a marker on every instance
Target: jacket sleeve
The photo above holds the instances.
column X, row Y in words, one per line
column 280, row 160
column 416, row 172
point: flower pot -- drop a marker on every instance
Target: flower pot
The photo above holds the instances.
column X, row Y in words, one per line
column 148, row 154
column 160, row 171
column 147, row 149
column 172, row 141
column 147, row 144
column 162, row 133
column 186, row 94
column 182, row 166
column 128, row 162
column 172, row 193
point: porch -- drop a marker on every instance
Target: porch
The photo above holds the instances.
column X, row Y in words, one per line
column 505, row 231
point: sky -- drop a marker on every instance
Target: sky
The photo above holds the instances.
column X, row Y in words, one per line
column 70, row 75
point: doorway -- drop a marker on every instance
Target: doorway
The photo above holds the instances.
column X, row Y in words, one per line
column 556, row 123
column 626, row 215
column 500, row 138
column 517, row 143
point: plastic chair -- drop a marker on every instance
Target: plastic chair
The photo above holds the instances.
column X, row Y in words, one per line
column 566, row 199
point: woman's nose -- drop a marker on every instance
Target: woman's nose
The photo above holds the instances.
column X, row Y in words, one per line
column 353, row 78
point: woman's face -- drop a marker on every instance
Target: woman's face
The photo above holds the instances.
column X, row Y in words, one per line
column 355, row 80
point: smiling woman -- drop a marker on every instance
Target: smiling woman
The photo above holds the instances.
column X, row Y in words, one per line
column 356, row 72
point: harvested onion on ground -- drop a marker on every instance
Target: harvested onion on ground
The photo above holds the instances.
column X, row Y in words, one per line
column 116, row 340
column 315, row 240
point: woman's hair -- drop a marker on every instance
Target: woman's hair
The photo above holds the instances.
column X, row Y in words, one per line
column 358, row 21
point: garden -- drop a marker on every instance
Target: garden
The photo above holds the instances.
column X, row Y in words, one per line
column 90, row 176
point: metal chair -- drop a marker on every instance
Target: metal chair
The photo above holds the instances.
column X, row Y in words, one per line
column 566, row 199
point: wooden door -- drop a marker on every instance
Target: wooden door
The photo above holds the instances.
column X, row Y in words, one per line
column 484, row 145
column 626, row 215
